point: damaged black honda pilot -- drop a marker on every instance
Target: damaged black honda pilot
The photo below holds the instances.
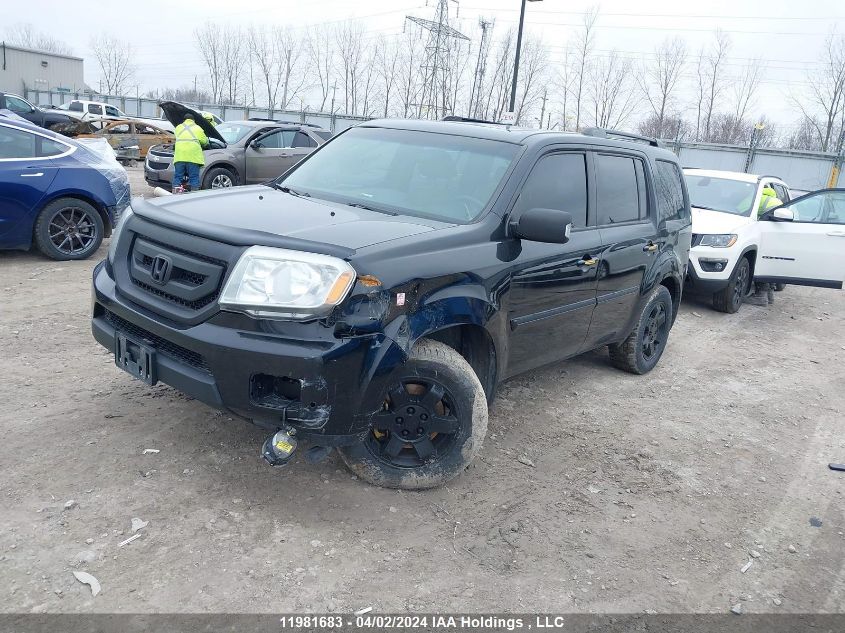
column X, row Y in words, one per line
column 371, row 298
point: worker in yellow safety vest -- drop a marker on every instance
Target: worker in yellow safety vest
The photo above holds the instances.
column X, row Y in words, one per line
column 764, row 293
column 187, row 154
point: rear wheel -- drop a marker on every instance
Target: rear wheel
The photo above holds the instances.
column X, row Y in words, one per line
column 779, row 287
column 67, row 229
column 431, row 425
column 219, row 178
column 730, row 298
column 642, row 349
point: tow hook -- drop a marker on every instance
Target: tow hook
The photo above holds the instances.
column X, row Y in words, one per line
column 278, row 449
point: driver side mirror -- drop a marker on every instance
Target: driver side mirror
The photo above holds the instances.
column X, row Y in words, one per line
column 781, row 214
column 552, row 226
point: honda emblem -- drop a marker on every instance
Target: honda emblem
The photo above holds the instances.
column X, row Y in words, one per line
column 161, row 269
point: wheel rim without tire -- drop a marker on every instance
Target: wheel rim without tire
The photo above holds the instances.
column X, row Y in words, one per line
column 221, row 181
column 418, row 424
column 654, row 333
column 72, row 230
column 741, row 285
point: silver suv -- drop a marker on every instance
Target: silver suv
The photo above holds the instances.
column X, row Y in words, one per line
column 244, row 152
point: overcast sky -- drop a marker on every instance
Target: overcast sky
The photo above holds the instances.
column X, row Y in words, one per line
column 787, row 35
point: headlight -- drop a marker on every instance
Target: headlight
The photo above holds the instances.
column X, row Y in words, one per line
column 275, row 282
column 718, row 241
column 115, row 235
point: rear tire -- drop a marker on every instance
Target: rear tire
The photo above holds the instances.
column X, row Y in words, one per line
column 640, row 352
column 219, row 178
column 68, row 229
column 779, row 287
column 730, row 298
column 431, row 426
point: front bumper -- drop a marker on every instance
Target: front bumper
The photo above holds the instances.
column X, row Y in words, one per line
column 701, row 281
column 331, row 385
column 158, row 178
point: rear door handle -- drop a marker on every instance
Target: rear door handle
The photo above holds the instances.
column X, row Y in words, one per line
column 35, row 175
column 650, row 247
column 837, row 233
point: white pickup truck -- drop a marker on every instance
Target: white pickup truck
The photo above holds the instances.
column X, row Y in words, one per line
column 92, row 110
column 799, row 243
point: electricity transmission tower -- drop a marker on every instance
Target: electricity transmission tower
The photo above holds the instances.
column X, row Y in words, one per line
column 437, row 67
column 480, row 67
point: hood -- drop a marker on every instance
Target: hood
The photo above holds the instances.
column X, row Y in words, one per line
column 175, row 113
column 261, row 215
column 706, row 222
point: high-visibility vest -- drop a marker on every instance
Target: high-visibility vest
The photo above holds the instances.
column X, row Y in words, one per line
column 190, row 139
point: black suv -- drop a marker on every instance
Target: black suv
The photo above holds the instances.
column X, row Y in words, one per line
column 373, row 297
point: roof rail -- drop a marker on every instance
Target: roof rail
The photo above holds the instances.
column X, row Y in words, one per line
column 283, row 122
column 466, row 119
column 603, row 133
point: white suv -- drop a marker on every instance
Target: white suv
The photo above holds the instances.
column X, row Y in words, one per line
column 731, row 248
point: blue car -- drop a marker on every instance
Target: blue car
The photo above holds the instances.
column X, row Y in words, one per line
column 56, row 193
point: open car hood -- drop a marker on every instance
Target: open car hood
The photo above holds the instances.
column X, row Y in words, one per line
column 175, row 113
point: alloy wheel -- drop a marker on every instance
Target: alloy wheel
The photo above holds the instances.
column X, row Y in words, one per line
column 655, row 331
column 72, row 230
column 221, row 181
column 418, row 423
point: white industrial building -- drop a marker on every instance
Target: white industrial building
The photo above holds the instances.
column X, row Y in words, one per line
column 23, row 69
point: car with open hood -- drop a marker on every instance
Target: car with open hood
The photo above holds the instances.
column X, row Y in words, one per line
column 240, row 152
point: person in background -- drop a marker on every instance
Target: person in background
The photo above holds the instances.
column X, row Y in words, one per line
column 764, row 294
column 188, row 157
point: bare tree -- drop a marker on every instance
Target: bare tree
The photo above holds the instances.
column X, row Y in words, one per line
column 289, row 50
column 209, row 42
column 113, row 56
column 672, row 126
column 235, row 57
column 349, row 36
column 319, row 47
column 711, row 82
column 611, row 92
column 659, row 79
column 266, row 61
column 825, row 101
column 582, row 51
column 497, row 88
column 745, row 88
column 184, row 94
column 387, row 62
column 532, row 72
column 26, row 35
column 410, row 80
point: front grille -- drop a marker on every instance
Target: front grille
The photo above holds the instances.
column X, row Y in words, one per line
column 194, row 281
column 193, row 305
column 157, row 165
column 162, row 346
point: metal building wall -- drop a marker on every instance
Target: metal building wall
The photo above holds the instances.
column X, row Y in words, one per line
column 800, row 170
column 22, row 69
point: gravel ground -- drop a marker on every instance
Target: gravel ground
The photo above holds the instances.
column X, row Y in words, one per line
column 639, row 493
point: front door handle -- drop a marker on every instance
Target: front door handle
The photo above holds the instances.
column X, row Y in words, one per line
column 650, row 247
column 588, row 261
column 837, row 233
column 35, row 175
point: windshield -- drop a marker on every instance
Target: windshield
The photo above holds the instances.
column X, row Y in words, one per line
column 422, row 174
column 721, row 194
column 233, row 132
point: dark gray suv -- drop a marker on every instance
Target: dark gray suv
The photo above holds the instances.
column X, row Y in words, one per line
column 247, row 152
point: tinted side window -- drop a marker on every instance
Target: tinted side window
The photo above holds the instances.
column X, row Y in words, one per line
column 18, row 106
column 641, row 189
column 822, row 208
column 303, row 140
column 76, row 106
column 617, row 191
column 112, row 111
column 16, row 143
column 50, row 147
column 670, row 192
column 93, row 108
column 557, row 181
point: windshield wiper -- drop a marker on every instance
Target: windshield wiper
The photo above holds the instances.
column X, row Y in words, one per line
column 361, row 205
column 284, row 189
column 699, row 206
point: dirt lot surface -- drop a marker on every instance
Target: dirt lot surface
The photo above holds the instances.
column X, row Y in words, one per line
column 645, row 493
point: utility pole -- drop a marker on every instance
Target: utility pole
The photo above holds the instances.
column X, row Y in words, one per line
column 518, row 50
column 543, row 109
column 480, row 68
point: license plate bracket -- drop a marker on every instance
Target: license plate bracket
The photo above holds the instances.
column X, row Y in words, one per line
column 136, row 358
